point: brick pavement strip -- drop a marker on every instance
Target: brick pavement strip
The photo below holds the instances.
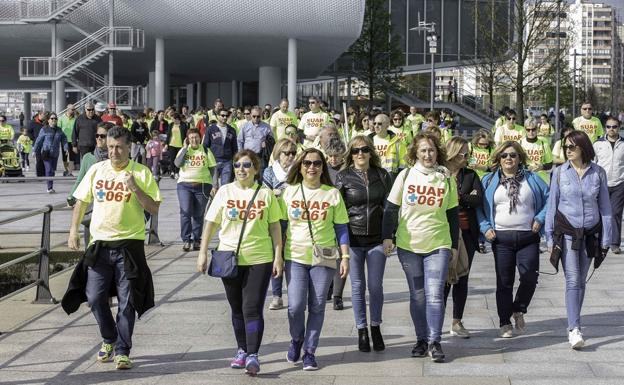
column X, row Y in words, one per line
column 187, row 338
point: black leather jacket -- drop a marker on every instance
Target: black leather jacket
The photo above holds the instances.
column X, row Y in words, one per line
column 365, row 203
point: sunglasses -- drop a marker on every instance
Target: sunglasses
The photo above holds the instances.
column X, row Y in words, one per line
column 289, row 153
column 512, row 118
column 315, row 163
column 397, row 119
column 377, row 124
column 53, row 118
column 247, row 113
column 243, row 164
column 530, row 129
column 100, row 136
column 610, row 126
column 290, row 132
column 586, row 109
column 255, row 116
column 363, row 150
column 223, row 116
column 311, row 102
column 570, row 147
column 512, row 155
column 89, row 109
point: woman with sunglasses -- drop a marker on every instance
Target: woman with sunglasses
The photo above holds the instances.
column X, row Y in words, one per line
column 274, row 178
column 421, row 213
column 260, row 253
column 364, row 186
column 509, row 131
column 511, row 218
column 316, row 215
column 480, row 150
column 557, row 151
column 539, row 156
column 196, row 164
column 470, row 195
column 47, row 147
column 401, row 127
column 578, row 222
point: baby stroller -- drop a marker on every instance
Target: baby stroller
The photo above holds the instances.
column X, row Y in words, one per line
column 9, row 160
column 166, row 163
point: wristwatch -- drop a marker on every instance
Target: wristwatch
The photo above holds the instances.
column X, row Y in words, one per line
column 346, row 256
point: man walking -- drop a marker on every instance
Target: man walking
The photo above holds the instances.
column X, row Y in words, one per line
column 66, row 123
column 120, row 190
column 83, row 137
column 221, row 139
column 588, row 123
column 257, row 136
column 610, row 156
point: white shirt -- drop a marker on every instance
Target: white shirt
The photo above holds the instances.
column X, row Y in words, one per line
column 611, row 159
column 520, row 219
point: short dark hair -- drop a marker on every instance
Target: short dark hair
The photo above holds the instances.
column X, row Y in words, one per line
column 580, row 139
column 611, row 117
column 118, row 132
column 192, row 131
column 140, row 115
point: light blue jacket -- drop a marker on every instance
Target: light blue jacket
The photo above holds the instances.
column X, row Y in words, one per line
column 490, row 181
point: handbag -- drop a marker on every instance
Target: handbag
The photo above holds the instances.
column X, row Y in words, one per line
column 223, row 263
column 326, row 256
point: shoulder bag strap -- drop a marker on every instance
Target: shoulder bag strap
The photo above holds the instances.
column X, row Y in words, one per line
column 240, row 238
column 305, row 205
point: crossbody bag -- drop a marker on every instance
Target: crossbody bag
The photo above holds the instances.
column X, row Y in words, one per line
column 326, row 256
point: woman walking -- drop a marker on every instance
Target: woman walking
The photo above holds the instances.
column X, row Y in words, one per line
column 470, row 194
column 423, row 201
column 317, row 217
column 511, row 218
column 49, row 143
column 578, row 223
column 364, row 186
column 243, row 203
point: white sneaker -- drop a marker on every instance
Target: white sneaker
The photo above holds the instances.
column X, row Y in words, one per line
column 575, row 338
column 51, row 191
column 520, row 323
column 506, row 331
column 276, row 303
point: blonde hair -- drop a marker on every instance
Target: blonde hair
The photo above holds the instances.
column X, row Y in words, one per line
column 281, row 145
column 454, row 146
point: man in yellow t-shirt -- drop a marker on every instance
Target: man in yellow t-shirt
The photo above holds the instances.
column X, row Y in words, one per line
column 509, row 131
column 415, row 119
column 312, row 122
column 282, row 118
column 120, row 190
column 588, row 123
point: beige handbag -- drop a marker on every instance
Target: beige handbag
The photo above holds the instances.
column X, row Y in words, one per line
column 459, row 265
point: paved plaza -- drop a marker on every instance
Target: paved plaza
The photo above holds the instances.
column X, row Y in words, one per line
column 187, row 337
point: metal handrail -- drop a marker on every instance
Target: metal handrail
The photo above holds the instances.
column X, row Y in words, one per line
column 37, row 9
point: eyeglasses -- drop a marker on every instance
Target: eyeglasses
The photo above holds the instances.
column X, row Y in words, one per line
column 611, row 126
column 315, row 163
column 255, row 116
column 530, row 129
column 242, row 164
column 397, row 119
column 289, row 153
column 89, row 109
column 586, row 109
column 311, row 102
column 570, row 147
column 51, row 118
column 377, row 124
column 363, row 150
column 290, row 132
column 100, row 136
column 223, row 116
column 512, row 155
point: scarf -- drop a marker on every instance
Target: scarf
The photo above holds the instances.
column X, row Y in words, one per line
column 436, row 172
column 100, row 154
column 279, row 172
column 512, row 184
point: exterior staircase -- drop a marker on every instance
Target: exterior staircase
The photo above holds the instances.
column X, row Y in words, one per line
column 37, row 11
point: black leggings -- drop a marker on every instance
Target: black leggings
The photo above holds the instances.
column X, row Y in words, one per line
column 460, row 289
column 173, row 152
column 246, row 294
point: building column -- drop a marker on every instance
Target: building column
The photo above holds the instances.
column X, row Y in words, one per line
column 111, row 66
column 292, row 73
column 49, row 103
column 234, row 93
column 269, row 85
column 151, row 90
column 177, row 105
column 159, row 76
column 190, row 96
column 27, row 108
column 59, row 90
column 200, row 95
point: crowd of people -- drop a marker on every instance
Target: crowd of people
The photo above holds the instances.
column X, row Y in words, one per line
column 317, row 197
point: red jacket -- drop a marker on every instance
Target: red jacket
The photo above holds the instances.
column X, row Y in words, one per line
column 116, row 119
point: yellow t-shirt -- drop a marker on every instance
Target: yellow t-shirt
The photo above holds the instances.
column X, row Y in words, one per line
column 117, row 214
column 176, row 136
column 416, row 121
column 197, row 164
column 325, row 207
column 26, row 143
column 505, row 133
column 538, row 153
column 228, row 209
column 280, row 120
column 6, row 132
column 592, row 127
column 381, row 146
column 423, row 200
column 404, row 133
column 311, row 123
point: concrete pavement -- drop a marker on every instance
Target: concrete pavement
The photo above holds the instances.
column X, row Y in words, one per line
column 187, row 337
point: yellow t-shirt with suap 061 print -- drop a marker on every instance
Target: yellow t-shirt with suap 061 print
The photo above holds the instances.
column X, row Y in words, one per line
column 325, row 207
column 117, row 214
column 196, row 167
column 423, row 200
column 228, row 209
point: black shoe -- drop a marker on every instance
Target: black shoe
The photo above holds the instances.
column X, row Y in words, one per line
column 196, row 245
column 338, row 305
column 378, row 342
column 482, row 248
column 435, row 352
column 363, row 341
column 420, row 349
column 186, row 246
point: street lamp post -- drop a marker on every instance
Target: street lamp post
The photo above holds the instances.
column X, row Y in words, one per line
column 432, row 38
column 557, row 123
column 574, row 82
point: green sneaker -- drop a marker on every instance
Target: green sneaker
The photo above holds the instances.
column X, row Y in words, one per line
column 123, row 362
column 106, row 352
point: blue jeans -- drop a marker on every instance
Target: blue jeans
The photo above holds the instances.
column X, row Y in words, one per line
column 109, row 269
column 307, row 285
column 193, row 198
column 223, row 172
column 50, row 168
column 426, row 277
column 376, row 263
column 576, row 264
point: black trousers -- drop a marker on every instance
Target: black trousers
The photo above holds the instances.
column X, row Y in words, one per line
column 173, row 152
column 246, row 294
column 460, row 289
column 616, row 196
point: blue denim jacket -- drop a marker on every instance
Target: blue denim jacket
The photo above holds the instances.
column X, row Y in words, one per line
column 485, row 213
column 50, row 139
column 583, row 202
